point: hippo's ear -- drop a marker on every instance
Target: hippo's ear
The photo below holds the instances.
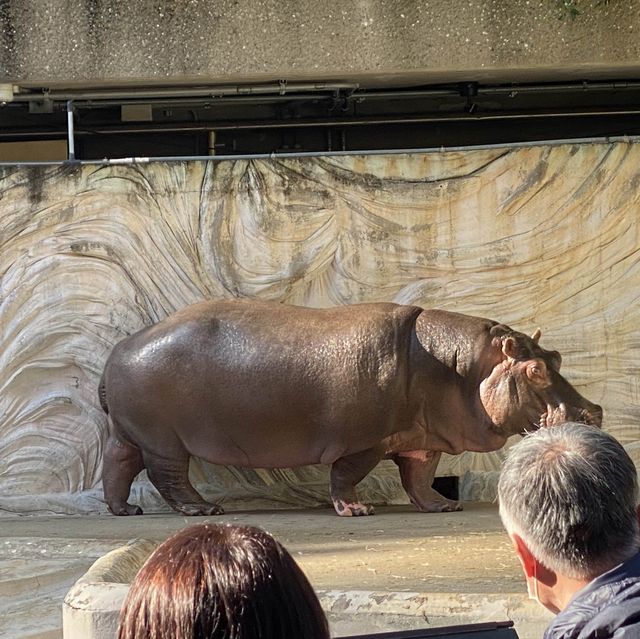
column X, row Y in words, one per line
column 509, row 348
column 536, row 335
column 556, row 359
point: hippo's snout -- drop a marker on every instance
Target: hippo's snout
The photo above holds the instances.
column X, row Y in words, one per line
column 576, row 407
column 591, row 415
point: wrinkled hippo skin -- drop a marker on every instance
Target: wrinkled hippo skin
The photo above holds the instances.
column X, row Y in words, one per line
column 265, row 385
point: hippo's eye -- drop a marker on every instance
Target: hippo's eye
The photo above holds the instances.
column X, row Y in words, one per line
column 537, row 371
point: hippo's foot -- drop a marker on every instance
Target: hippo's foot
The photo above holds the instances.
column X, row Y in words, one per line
column 125, row 509
column 440, row 506
column 204, row 508
column 417, row 470
column 347, row 509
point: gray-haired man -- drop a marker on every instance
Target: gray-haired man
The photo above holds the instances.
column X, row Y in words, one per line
column 568, row 499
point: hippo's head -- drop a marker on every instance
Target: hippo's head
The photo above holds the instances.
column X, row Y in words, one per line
column 525, row 390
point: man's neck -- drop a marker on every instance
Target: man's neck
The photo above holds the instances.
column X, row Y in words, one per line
column 558, row 597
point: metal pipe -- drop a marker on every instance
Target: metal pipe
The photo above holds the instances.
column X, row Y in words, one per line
column 635, row 139
column 356, row 96
column 322, row 154
column 214, row 101
column 71, row 155
column 211, row 143
column 561, row 87
column 501, row 89
column 280, row 88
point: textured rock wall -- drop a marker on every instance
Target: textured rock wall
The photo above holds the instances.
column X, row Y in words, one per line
column 534, row 237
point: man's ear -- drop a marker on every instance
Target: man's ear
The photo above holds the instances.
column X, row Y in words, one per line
column 527, row 560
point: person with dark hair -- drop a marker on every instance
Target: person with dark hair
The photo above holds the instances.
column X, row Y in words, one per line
column 569, row 501
column 216, row 581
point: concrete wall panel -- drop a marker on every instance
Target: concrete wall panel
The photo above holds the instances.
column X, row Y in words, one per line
column 117, row 41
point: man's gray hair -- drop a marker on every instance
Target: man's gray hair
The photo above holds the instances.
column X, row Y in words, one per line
column 570, row 492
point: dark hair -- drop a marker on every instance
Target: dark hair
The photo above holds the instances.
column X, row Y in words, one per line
column 221, row 582
column 571, row 492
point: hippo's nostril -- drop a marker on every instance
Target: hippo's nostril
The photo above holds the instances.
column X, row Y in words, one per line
column 591, row 416
column 596, row 415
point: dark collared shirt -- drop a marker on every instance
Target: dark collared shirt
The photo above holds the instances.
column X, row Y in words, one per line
column 608, row 607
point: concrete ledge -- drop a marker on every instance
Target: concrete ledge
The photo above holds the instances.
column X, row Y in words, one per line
column 356, row 611
column 92, row 606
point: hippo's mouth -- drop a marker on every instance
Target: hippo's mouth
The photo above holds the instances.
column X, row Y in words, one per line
column 555, row 415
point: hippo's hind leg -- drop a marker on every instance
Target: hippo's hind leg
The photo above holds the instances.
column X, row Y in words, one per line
column 121, row 463
column 346, row 472
column 417, row 470
column 170, row 475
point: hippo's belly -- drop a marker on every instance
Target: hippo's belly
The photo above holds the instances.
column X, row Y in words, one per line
column 254, row 450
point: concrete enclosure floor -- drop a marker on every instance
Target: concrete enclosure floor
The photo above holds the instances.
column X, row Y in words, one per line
column 453, row 560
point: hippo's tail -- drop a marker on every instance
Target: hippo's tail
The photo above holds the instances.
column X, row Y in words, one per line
column 102, row 395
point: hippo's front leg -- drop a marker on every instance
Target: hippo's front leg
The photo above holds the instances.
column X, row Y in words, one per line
column 346, row 472
column 417, row 470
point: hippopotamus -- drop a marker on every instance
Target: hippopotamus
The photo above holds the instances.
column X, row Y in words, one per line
column 261, row 384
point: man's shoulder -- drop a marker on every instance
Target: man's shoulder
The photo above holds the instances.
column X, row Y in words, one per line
column 608, row 607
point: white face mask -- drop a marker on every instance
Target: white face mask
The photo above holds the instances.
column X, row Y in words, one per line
column 533, row 595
